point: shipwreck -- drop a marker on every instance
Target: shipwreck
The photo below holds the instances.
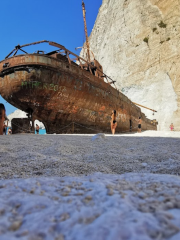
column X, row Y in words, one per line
column 57, row 91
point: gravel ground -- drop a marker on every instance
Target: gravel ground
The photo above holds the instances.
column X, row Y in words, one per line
column 77, row 187
column 24, row 156
column 97, row 207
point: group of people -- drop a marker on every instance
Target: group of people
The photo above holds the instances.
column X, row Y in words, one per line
column 114, row 123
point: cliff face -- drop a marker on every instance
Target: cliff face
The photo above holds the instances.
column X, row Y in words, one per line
column 138, row 44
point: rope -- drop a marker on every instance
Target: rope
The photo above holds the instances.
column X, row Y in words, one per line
column 128, row 130
column 68, row 126
column 86, row 127
column 27, row 130
column 22, row 128
column 98, row 130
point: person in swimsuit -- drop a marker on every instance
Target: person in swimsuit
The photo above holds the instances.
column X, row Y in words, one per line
column 171, row 127
column 37, row 129
column 2, row 117
column 113, row 122
column 139, row 124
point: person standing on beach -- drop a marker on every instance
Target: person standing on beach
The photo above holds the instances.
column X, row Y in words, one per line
column 37, row 129
column 171, row 127
column 139, row 124
column 113, row 122
column 2, row 117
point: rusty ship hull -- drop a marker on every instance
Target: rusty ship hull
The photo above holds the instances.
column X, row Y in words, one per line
column 66, row 97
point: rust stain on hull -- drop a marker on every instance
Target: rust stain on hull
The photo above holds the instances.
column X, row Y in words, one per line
column 60, row 92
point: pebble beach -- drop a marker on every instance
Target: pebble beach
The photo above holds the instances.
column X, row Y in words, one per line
column 67, row 187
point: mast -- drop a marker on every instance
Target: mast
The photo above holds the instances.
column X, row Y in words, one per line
column 85, row 29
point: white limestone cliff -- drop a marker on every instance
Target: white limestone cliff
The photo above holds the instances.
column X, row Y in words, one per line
column 138, row 44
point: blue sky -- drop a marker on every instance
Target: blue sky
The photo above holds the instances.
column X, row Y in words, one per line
column 61, row 21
